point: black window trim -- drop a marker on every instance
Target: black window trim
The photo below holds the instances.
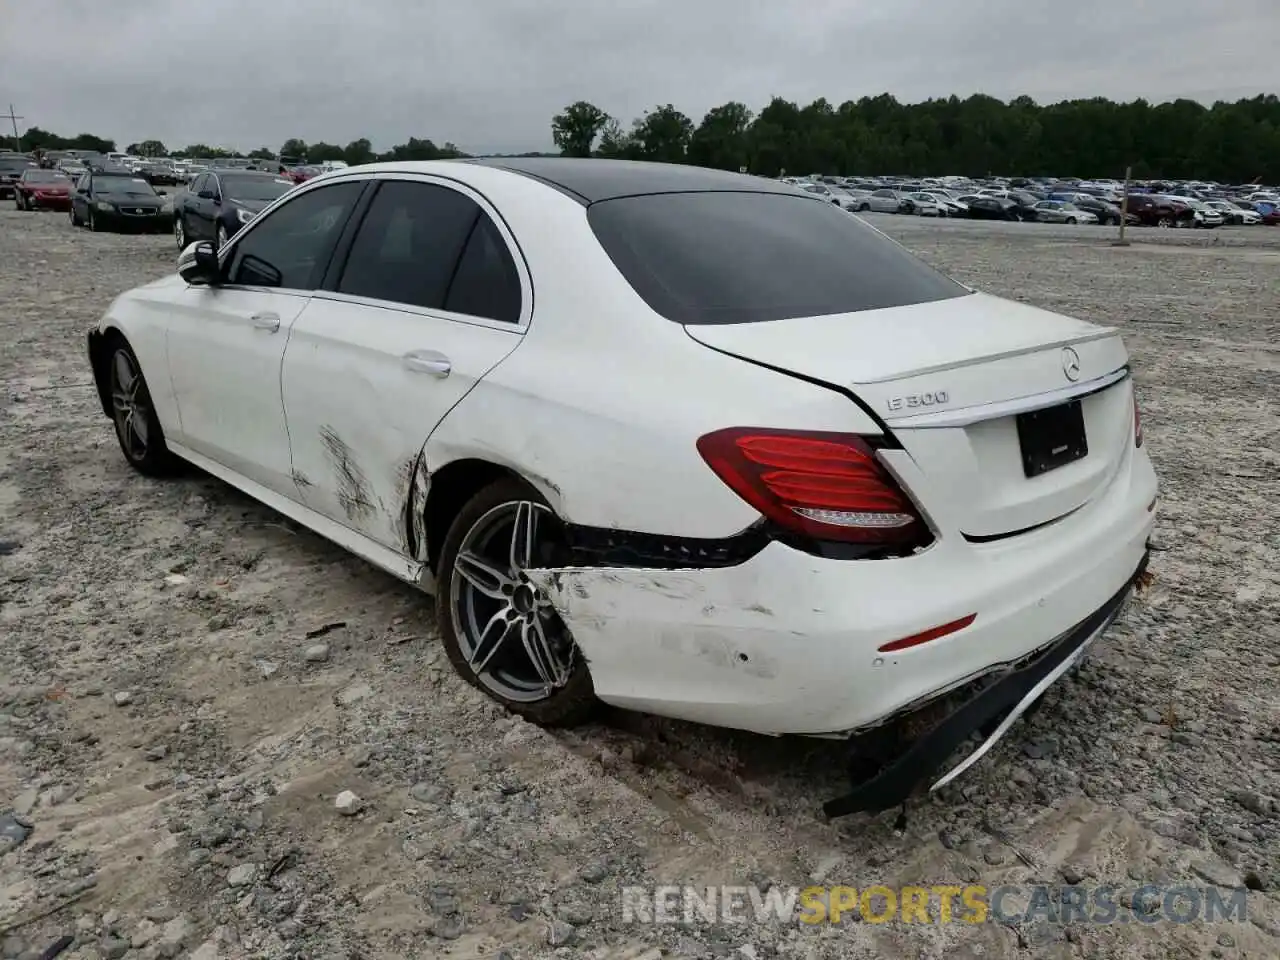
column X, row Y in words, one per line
column 327, row 290
column 225, row 254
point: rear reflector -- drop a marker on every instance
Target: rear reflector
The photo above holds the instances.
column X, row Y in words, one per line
column 933, row 633
column 828, row 486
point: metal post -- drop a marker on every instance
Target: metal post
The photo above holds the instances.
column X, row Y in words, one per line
column 13, row 118
column 1124, row 208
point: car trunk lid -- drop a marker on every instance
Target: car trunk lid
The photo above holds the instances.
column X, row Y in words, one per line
column 963, row 385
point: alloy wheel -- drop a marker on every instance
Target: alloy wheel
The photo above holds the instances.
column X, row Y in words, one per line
column 222, row 236
column 507, row 630
column 129, row 405
column 179, row 233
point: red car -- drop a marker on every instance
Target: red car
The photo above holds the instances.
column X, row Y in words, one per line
column 42, row 189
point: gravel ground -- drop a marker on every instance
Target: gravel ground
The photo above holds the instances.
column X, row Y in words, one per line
column 179, row 742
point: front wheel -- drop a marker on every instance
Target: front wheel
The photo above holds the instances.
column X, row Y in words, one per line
column 93, row 221
column 137, row 427
column 1072, row 221
column 180, row 232
column 222, row 236
column 500, row 630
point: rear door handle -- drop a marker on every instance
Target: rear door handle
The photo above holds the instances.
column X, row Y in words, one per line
column 268, row 320
column 428, row 361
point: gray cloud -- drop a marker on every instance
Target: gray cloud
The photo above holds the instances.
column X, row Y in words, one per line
column 490, row 75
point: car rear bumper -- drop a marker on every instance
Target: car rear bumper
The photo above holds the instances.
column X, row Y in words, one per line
column 993, row 710
column 786, row 642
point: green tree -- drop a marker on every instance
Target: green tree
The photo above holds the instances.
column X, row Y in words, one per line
column 147, row 148
column 721, row 139
column 662, row 134
column 575, row 128
column 262, row 153
column 614, row 141
column 293, row 147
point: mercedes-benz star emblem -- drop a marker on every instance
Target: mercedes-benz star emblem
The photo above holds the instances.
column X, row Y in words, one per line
column 1071, row 364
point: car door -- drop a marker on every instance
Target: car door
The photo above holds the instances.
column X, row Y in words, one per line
column 433, row 294
column 226, row 341
column 80, row 198
column 191, row 211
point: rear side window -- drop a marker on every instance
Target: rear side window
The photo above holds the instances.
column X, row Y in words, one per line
column 409, row 243
column 708, row 258
column 486, row 283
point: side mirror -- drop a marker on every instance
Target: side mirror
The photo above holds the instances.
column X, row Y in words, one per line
column 198, row 264
column 205, row 195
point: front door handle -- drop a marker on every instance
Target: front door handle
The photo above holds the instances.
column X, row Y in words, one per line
column 267, row 320
column 428, row 361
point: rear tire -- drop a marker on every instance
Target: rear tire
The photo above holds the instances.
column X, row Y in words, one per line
column 501, row 633
column 138, row 430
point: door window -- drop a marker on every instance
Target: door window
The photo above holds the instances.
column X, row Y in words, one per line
column 408, row 244
column 486, row 283
column 290, row 248
column 198, row 184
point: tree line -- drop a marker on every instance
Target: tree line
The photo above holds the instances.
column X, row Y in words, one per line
column 1229, row 142
column 357, row 151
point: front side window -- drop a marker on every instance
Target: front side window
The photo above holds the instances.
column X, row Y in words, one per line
column 408, row 244
column 730, row 257
column 290, row 247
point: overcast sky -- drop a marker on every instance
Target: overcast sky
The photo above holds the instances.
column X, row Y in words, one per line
column 490, row 74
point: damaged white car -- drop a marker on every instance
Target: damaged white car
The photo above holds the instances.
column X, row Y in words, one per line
column 683, row 441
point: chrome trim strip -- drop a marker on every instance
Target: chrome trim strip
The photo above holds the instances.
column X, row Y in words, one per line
column 1023, row 705
column 965, row 416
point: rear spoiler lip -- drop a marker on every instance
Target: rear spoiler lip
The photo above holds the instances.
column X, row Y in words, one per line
column 978, row 412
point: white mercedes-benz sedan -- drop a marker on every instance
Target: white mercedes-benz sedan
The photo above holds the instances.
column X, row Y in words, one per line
column 683, row 441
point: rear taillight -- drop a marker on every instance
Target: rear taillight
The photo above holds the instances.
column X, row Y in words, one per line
column 825, row 486
column 1137, row 422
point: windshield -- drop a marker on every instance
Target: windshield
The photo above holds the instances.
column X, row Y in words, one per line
column 44, row 176
column 123, row 186
column 735, row 257
column 255, row 188
column 9, row 164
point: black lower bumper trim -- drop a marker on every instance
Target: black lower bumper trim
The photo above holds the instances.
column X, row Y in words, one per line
column 897, row 781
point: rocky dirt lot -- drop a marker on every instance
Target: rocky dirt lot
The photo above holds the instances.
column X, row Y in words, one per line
column 175, row 730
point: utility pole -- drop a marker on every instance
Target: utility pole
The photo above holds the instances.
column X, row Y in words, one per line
column 1124, row 209
column 13, row 118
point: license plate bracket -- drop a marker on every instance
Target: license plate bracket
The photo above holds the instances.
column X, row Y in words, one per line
column 1052, row 438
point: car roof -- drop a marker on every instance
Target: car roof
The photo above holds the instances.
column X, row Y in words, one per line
column 590, row 180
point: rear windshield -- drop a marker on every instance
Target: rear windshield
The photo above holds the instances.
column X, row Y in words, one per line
column 708, row 258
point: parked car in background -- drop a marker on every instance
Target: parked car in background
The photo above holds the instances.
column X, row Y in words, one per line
column 823, row 544
column 1059, row 211
column 1268, row 211
column 884, row 201
column 38, row 189
column 1106, row 212
column 923, row 205
column 220, row 202
column 11, row 168
column 1239, row 214
column 117, row 201
column 984, row 207
column 1153, row 210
